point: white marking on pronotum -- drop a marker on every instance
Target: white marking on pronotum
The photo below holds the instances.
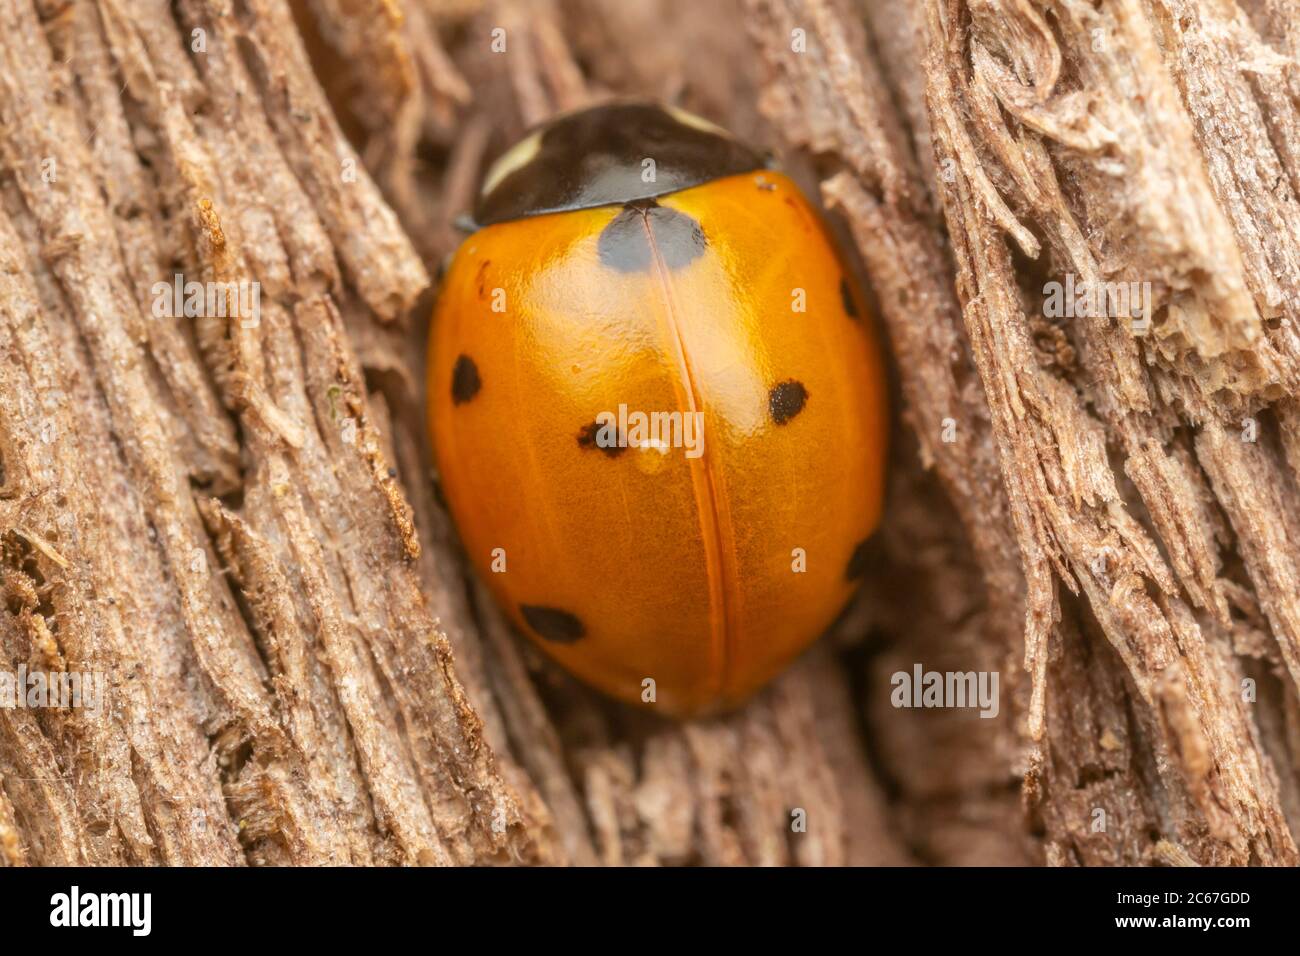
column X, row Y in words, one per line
column 696, row 122
column 516, row 157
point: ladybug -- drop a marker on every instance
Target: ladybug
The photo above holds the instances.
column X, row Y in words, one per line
column 657, row 406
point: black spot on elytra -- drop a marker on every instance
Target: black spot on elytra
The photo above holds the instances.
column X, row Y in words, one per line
column 786, row 400
column 846, row 294
column 857, row 565
column 552, row 623
column 588, row 437
column 465, row 382
column 625, row 243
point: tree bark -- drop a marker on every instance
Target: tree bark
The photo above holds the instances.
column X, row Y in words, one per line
column 237, row 525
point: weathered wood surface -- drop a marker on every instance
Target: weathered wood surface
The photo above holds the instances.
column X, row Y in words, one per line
column 237, row 525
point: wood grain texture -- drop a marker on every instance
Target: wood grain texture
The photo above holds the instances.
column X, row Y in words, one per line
column 238, row 526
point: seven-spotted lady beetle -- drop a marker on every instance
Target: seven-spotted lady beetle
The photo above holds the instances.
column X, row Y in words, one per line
column 657, row 405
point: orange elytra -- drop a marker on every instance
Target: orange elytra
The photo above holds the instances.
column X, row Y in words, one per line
column 657, row 406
